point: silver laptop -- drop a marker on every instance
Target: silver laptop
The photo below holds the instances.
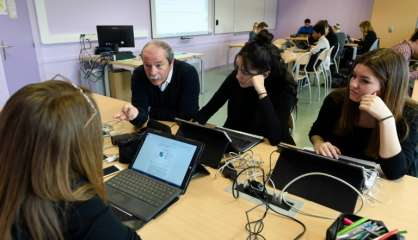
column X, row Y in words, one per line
column 159, row 174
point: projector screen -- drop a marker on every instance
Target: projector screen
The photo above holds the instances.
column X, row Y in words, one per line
column 171, row 18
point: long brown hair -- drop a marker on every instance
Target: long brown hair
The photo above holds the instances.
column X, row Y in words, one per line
column 48, row 157
column 391, row 70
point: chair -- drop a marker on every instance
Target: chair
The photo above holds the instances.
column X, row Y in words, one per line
column 375, row 45
column 300, row 73
column 327, row 70
column 318, row 68
column 335, row 59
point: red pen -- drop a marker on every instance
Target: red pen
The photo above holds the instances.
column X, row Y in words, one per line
column 387, row 235
column 347, row 221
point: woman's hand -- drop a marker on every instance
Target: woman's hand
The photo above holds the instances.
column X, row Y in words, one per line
column 258, row 84
column 374, row 105
column 327, row 149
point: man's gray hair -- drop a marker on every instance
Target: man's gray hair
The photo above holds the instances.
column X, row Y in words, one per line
column 168, row 50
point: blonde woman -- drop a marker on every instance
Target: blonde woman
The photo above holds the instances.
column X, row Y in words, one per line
column 51, row 182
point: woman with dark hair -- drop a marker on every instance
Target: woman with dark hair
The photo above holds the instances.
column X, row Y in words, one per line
column 260, row 92
column 51, row 181
column 372, row 118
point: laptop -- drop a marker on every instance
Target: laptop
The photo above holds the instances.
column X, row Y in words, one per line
column 326, row 191
column 216, row 142
column 158, row 175
column 241, row 141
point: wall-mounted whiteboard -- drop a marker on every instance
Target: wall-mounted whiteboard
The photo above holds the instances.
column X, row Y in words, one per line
column 170, row 18
column 62, row 21
column 240, row 15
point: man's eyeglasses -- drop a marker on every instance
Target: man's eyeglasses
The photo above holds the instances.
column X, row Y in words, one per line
column 88, row 100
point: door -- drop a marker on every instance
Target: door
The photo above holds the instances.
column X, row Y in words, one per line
column 18, row 54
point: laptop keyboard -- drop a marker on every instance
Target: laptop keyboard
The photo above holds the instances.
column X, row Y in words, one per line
column 141, row 187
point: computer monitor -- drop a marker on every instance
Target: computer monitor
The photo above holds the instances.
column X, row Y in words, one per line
column 112, row 37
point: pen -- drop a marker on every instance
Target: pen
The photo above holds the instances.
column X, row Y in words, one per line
column 387, row 235
column 353, row 225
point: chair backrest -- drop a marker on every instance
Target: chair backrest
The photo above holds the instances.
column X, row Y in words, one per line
column 337, row 53
column 301, row 62
column 375, row 45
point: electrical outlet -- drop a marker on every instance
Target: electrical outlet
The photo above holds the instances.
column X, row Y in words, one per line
column 391, row 29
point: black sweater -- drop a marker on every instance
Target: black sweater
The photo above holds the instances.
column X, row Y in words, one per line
column 355, row 143
column 91, row 219
column 267, row 117
column 366, row 42
column 179, row 99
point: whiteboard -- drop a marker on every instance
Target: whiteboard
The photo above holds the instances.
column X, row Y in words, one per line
column 62, row 21
column 171, row 18
column 240, row 15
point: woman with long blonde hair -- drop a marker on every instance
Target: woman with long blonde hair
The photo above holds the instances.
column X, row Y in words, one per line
column 51, row 182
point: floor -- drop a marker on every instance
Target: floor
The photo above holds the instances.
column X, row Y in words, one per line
column 306, row 113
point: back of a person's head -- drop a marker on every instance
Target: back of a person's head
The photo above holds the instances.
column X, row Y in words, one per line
column 391, row 69
column 414, row 36
column 307, row 21
column 52, row 155
column 262, row 25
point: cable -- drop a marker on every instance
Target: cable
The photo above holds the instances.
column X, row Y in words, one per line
column 282, row 194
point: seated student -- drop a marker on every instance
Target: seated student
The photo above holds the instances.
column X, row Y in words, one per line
column 409, row 50
column 51, row 181
column 319, row 35
column 372, row 118
column 369, row 37
column 257, row 27
column 162, row 88
column 306, row 29
column 260, row 92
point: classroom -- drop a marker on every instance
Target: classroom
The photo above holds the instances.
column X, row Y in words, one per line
column 208, row 119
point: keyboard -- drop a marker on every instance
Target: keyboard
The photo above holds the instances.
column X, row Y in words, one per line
column 142, row 187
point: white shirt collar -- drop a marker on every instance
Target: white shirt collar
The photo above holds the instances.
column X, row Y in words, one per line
column 166, row 82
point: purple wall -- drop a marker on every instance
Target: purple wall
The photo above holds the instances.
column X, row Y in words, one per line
column 63, row 58
column 348, row 14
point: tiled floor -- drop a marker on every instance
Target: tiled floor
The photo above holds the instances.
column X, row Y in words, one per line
column 306, row 113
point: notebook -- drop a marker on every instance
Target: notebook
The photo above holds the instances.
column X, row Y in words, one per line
column 241, row 141
column 216, row 142
column 294, row 162
column 159, row 174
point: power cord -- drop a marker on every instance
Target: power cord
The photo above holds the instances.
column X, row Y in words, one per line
column 282, row 194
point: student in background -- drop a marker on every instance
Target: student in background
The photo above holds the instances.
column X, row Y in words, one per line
column 306, row 29
column 369, row 37
column 409, row 50
column 51, row 182
column 341, row 36
column 257, row 27
column 319, row 36
column 162, row 88
column 260, row 92
column 372, row 118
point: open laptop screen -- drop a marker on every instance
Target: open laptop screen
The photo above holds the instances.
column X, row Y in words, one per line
column 165, row 158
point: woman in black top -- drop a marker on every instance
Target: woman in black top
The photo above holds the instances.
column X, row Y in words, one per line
column 51, row 181
column 369, row 37
column 372, row 118
column 260, row 92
